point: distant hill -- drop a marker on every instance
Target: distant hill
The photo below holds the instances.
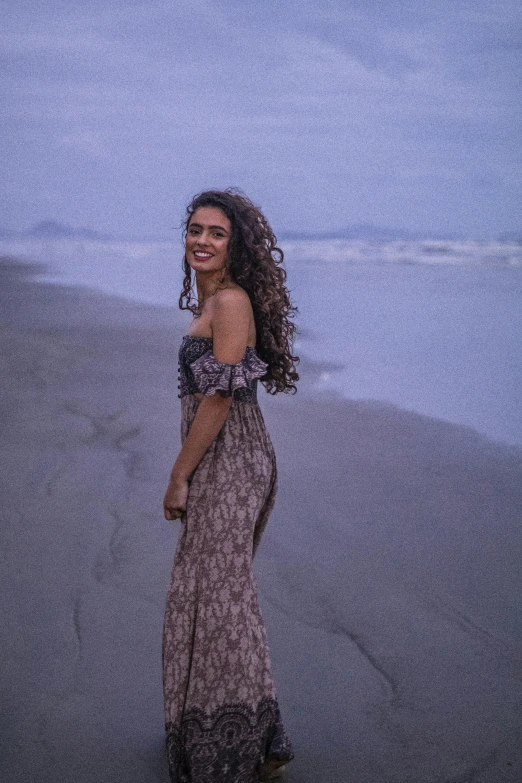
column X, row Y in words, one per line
column 5, row 233
column 51, row 229
column 366, row 232
column 511, row 236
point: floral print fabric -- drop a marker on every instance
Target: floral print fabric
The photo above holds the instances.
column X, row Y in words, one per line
column 221, row 713
column 200, row 371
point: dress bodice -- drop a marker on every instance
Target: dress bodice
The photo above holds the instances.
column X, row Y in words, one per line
column 200, row 371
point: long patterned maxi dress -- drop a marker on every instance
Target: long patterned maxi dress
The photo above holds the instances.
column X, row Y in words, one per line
column 221, row 713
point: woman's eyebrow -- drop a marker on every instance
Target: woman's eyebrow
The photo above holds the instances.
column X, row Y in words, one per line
column 198, row 225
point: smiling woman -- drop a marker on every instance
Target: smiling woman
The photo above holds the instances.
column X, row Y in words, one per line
column 223, row 723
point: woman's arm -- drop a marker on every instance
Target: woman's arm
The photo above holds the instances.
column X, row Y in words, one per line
column 210, row 417
column 230, row 318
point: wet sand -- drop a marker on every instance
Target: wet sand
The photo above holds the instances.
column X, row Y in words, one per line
column 388, row 574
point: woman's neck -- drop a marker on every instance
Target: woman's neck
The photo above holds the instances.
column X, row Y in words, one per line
column 208, row 284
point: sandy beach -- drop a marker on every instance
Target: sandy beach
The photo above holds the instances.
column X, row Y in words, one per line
column 389, row 574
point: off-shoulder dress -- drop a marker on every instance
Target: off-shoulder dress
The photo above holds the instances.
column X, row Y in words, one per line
column 223, row 723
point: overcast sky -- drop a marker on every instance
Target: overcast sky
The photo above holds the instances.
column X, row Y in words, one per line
column 394, row 112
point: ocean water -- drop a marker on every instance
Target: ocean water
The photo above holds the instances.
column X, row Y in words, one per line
column 434, row 327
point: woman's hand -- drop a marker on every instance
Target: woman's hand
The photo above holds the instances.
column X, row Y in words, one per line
column 175, row 500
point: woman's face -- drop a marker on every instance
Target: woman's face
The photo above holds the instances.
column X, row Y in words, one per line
column 208, row 235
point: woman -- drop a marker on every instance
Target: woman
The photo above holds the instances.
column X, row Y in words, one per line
column 222, row 718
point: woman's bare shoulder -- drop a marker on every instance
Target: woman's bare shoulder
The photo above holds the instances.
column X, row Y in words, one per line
column 231, row 295
column 231, row 300
column 232, row 318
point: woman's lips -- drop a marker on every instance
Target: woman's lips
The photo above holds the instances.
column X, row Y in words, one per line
column 201, row 255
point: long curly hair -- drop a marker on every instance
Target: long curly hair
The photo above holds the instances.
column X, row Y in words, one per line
column 255, row 263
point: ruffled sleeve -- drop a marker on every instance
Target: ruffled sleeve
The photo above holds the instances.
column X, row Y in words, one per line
column 211, row 375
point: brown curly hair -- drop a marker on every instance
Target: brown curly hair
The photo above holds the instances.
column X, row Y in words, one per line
column 254, row 262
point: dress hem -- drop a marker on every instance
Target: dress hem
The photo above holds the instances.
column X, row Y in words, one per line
column 230, row 744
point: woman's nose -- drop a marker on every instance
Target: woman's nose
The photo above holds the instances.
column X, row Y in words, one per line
column 202, row 239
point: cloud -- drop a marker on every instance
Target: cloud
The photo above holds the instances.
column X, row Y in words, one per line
column 376, row 107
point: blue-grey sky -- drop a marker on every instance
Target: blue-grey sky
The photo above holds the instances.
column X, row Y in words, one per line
column 400, row 112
